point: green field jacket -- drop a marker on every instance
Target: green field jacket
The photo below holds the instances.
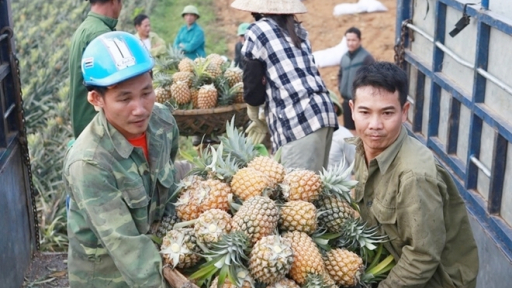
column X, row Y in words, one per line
column 93, row 26
column 416, row 203
column 191, row 41
column 116, row 200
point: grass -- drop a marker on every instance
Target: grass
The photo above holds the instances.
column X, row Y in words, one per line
column 166, row 20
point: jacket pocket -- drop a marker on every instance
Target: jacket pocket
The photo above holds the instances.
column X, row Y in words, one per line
column 384, row 215
column 135, row 195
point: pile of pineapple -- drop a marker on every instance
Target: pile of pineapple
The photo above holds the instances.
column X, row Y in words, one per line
column 202, row 83
column 242, row 220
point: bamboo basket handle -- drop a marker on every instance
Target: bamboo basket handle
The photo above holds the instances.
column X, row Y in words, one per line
column 176, row 279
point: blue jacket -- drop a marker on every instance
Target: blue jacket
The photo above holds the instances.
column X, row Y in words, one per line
column 192, row 40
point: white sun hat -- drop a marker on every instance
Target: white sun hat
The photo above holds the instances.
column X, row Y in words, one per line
column 270, row 6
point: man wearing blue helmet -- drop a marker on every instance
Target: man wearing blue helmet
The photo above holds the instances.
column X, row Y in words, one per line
column 120, row 172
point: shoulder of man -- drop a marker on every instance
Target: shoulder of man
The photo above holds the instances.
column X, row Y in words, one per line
column 162, row 113
column 416, row 157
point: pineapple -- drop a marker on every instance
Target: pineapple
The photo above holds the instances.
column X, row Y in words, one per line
column 234, row 75
column 228, row 284
column 249, row 182
column 319, row 281
column 212, row 194
column 166, row 225
column 237, row 145
column 187, row 205
column 344, row 267
column 239, row 96
column 194, row 93
column 186, row 77
column 271, row 259
column 298, row 216
column 162, row 95
column 302, row 185
column 214, row 69
column 257, row 217
column 284, row 283
column 336, row 181
column 180, row 92
column 207, row 97
column 186, row 65
column 306, row 257
column 179, row 248
column 211, row 225
column 225, row 258
column 270, row 167
column 334, row 212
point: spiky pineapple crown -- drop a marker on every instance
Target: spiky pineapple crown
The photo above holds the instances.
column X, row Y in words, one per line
column 226, row 258
column 237, row 145
column 336, row 181
column 356, row 234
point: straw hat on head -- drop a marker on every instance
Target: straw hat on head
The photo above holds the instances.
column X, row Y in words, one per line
column 270, row 6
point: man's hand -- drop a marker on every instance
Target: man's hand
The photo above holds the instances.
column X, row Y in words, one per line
column 258, row 128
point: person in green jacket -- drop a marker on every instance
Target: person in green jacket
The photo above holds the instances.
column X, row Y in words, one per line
column 405, row 191
column 190, row 38
column 151, row 40
column 101, row 19
column 120, row 172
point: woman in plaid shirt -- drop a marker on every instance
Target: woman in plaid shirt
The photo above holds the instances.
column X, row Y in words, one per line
column 280, row 72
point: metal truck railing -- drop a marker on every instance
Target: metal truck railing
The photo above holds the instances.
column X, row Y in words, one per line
column 458, row 55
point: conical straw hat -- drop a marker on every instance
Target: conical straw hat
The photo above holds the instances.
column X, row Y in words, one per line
column 270, row 6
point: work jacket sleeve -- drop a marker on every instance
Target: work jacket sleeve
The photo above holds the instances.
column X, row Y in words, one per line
column 194, row 42
column 117, row 217
column 420, row 220
column 157, row 45
column 254, row 89
column 340, row 75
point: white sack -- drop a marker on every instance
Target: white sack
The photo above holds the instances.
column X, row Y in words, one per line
column 363, row 6
column 331, row 56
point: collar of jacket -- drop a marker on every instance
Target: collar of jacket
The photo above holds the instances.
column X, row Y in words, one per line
column 110, row 22
column 387, row 156
column 193, row 26
column 353, row 54
column 123, row 147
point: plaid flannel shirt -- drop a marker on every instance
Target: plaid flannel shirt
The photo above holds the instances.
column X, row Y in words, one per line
column 297, row 101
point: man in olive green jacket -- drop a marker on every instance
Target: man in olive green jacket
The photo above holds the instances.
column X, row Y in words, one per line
column 404, row 190
column 101, row 19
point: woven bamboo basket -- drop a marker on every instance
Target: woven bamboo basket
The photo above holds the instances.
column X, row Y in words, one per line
column 210, row 121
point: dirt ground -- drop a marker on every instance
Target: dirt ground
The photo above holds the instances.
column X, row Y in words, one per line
column 326, row 30
column 47, row 270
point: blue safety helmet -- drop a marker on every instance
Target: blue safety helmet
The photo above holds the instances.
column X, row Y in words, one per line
column 114, row 57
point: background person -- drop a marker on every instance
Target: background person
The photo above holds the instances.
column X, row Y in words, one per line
column 299, row 112
column 190, row 38
column 238, row 46
column 404, row 190
column 355, row 57
column 151, row 40
column 101, row 19
column 341, row 150
column 120, row 172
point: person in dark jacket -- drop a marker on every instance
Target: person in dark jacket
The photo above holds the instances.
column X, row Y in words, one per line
column 238, row 46
column 355, row 57
column 101, row 19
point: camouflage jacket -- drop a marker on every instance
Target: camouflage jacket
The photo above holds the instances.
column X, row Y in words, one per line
column 115, row 198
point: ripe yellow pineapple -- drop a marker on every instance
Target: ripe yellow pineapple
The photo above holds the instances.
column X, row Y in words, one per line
column 298, row 216
column 257, row 217
column 211, row 225
column 180, row 92
column 162, row 95
column 334, row 212
column 249, row 182
column 187, row 205
column 239, row 97
column 212, row 194
column 271, row 259
column 186, row 65
column 234, row 75
column 228, row 284
column 344, row 267
column 179, row 248
column 214, row 70
column 194, row 93
column 284, row 283
column 270, row 167
column 207, row 97
column 306, row 257
column 183, row 77
column 302, row 185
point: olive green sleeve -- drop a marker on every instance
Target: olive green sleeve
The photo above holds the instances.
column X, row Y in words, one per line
column 158, row 46
column 420, row 222
column 110, row 214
